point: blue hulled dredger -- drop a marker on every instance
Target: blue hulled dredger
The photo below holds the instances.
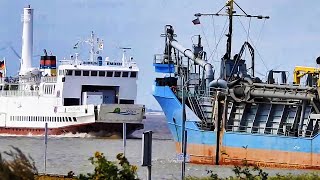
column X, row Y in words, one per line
column 235, row 116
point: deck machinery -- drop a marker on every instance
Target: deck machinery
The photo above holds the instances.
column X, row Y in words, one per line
column 233, row 115
column 253, row 106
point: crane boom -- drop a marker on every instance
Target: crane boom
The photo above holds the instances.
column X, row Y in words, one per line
column 300, row 71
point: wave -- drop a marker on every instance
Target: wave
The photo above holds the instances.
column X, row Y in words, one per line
column 66, row 135
column 155, row 113
column 70, row 135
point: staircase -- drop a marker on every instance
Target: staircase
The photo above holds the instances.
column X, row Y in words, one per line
column 196, row 108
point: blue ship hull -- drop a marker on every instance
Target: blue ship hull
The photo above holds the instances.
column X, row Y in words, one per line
column 265, row 150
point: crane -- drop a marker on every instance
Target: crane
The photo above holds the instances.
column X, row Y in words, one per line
column 301, row 71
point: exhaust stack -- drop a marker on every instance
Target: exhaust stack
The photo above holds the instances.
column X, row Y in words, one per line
column 27, row 40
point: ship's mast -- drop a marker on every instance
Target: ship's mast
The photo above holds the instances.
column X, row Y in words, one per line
column 230, row 13
column 229, row 35
column 92, row 52
column 124, row 57
column 92, row 43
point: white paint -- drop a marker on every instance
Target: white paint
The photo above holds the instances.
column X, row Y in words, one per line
column 39, row 99
column 27, row 40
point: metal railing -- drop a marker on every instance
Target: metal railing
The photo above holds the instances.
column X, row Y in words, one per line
column 188, row 94
column 49, row 79
column 262, row 131
column 9, row 80
column 162, row 59
column 19, row 93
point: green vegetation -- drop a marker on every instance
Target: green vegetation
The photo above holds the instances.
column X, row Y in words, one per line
column 116, row 110
column 19, row 167
column 108, row 170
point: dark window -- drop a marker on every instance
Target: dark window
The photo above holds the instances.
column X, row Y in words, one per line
column 77, row 73
column 126, row 101
column 69, row 72
column 117, row 74
column 102, row 73
column 109, row 73
column 85, row 73
column 125, row 74
column 71, row 101
column 133, row 74
column 93, row 73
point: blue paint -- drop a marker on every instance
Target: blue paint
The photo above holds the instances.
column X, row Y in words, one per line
column 164, row 68
column 173, row 111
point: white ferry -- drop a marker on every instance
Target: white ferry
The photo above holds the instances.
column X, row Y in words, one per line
column 93, row 96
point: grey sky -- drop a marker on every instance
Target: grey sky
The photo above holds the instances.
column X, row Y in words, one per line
column 289, row 38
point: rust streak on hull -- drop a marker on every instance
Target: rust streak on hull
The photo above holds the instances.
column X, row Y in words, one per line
column 204, row 154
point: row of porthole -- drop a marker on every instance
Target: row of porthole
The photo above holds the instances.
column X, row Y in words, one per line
column 14, row 129
column 132, row 74
column 43, row 119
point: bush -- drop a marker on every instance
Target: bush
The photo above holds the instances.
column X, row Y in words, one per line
column 108, row 170
column 20, row 167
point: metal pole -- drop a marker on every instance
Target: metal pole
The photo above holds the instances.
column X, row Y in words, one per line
column 147, row 151
column 149, row 173
column 124, row 137
column 183, row 165
column 184, row 151
column 45, row 150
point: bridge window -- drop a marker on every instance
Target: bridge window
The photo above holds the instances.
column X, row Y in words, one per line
column 61, row 72
column 125, row 74
column 102, row 73
column 69, row 72
column 133, row 74
column 117, row 74
column 77, row 73
column 109, row 73
column 85, row 73
column 93, row 73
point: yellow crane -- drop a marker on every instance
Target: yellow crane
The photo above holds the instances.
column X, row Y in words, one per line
column 300, row 71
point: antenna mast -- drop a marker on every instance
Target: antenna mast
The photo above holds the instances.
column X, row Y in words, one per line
column 92, row 43
column 124, row 50
column 230, row 13
column 229, row 35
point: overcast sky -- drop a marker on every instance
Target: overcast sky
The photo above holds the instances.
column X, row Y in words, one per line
column 290, row 37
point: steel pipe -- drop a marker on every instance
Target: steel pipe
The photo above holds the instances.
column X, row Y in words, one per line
column 281, row 94
column 188, row 53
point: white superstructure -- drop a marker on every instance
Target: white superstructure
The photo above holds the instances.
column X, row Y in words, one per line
column 75, row 96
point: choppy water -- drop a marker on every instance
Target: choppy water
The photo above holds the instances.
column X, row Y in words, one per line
column 71, row 152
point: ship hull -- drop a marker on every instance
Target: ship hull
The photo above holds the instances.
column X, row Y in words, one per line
column 95, row 129
column 29, row 116
column 259, row 149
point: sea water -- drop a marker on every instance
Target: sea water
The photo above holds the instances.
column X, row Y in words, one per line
column 71, row 152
